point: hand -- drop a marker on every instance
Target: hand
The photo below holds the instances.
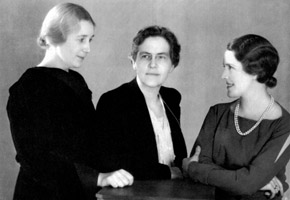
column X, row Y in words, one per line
column 274, row 186
column 119, row 178
column 186, row 161
column 176, row 173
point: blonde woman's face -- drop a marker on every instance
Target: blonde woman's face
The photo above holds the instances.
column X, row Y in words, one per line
column 74, row 50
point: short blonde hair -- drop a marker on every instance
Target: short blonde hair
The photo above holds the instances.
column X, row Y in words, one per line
column 60, row 21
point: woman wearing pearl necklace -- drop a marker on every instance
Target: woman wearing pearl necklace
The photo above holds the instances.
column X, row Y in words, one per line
column 243, row 146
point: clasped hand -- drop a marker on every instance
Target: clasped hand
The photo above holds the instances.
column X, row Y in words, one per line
column 271, row 189
column 187, row 161
column 119, row 178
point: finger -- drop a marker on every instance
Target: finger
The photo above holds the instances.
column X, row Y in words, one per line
column 278, row 186
column 195, row 157
column 197, row 151
column 126, row 175
column 278, row 182
column 268, row 193
column 272, row 183
column 273, row 192
column 120, row 179
column 269, row 190
column 117, row 179
column 111, row 181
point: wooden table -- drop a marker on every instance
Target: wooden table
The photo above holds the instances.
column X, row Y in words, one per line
column 160, row 189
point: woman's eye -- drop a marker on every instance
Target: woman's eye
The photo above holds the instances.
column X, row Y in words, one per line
column 145, row 57
column 228, row 67
column 162, row 57
column 81, row 40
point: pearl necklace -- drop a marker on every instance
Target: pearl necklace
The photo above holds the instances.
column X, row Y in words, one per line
column 257, row 123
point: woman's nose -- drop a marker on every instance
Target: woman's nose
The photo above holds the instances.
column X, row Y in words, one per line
column 153, row 62
column 225, row 74
column 87, row 47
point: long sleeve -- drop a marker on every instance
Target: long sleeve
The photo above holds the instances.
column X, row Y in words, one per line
column 50, row 126
column 223, row 165
column 121, row 147
column 126, row 136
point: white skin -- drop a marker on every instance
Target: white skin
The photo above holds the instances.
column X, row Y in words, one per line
column 73, row 51
column 71, row 54
column 153, row 66
column 254, row 99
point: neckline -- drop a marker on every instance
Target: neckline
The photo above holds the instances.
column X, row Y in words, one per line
column 163, row 108
column 236, row 119
column 232, row 111
column 52, row 68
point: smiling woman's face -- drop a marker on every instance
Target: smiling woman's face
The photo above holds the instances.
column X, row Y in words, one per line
column 237, row 80
column 73, row 51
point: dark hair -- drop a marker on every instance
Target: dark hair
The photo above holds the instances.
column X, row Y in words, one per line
column 157, row 31
column 59, row 22
column 258, row 57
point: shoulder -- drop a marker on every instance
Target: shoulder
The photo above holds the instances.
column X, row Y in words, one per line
column 285, row 117
column 77, row 75
column 170, row 94
column 220, row 107
column 276, row 112
column 121, row 91
column 29, row 79
column 121, row 95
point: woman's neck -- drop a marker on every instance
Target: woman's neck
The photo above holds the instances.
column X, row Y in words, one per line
column 252, row 105
column 151, row 94
column 51, row 60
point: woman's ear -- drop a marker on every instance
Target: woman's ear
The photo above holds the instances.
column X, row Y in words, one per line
column 48, row 42
column 255, row 77
column 132, row 62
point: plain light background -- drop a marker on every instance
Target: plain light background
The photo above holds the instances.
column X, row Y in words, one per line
column 203, row 28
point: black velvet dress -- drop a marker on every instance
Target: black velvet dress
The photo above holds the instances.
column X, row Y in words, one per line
column 50, row 112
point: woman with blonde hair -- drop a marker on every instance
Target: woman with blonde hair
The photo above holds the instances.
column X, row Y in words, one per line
column 50, row 112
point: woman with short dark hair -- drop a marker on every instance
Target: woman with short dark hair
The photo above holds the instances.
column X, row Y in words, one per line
column 245, row 143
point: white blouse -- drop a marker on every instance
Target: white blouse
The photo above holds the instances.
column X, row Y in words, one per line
column 163, row 137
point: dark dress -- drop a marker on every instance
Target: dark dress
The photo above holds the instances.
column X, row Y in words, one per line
column 241, row 165
column 126, row 136
column 50, row 113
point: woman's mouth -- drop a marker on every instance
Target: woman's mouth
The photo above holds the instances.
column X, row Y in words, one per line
column 229, row 85
column 81, row 58
column 152, row 74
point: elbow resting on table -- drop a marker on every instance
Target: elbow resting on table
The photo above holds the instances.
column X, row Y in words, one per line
column 211, row 175
column 246, row 189
column 240, row 187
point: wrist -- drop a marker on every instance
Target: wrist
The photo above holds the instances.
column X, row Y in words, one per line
column 100, row 178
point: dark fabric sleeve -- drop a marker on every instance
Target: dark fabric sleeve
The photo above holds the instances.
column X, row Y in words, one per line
column 172, row 101
column 120, row 148
column 246, row 180
column 46, row 139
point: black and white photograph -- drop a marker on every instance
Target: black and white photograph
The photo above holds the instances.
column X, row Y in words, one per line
column 144, row 99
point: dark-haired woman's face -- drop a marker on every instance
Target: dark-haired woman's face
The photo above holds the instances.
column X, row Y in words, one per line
column 153, row 63
column 237, row 80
